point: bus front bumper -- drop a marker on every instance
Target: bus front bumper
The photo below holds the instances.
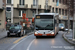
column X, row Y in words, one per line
column 39, row 34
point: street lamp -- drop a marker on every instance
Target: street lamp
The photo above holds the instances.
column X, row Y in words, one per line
column 74, row 23
column 46, row 3
column 68, row 15
column 36, row 6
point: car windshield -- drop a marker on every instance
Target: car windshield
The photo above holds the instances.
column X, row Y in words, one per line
column 15, row 27
column 44, row 24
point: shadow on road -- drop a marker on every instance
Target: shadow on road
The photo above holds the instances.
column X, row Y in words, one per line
column 45, row 37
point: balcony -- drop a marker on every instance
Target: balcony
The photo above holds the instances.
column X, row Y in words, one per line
column 34, row 6
column 63, row 17
column 71, row 18
column 47, row 7
column 22, row 6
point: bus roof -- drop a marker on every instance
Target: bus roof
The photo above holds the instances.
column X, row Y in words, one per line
column 49, row 14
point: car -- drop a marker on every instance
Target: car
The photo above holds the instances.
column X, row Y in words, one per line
column 61, row 27
column 66, row 29
column 16, row 30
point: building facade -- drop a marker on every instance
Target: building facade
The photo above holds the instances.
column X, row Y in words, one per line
column 18, row 7
column 71, row 12
column 62, row 9
column 2, row 14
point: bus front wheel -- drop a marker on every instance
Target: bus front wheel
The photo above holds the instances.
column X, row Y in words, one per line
column 37, row 37
column 53, row 36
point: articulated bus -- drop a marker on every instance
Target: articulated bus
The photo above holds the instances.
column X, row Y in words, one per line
column 46, row 24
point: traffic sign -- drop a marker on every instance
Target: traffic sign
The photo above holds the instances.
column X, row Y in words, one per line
column 24, row 16
column 27, row 19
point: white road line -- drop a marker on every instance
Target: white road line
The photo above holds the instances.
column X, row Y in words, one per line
column 17, row 43
column 30, row 45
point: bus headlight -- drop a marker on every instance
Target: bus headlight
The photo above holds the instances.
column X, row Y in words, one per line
column 52, row 32
column 36, row 33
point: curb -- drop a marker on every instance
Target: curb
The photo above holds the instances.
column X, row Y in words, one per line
column 3, row 37
column 63, row 35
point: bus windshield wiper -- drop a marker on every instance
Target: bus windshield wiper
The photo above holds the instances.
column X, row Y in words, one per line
column 39, row 27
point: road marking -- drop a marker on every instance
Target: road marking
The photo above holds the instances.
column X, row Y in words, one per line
column 19, row 39
column 30, row 45
column 17, row 43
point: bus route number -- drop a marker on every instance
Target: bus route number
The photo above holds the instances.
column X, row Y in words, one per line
column 38, row 16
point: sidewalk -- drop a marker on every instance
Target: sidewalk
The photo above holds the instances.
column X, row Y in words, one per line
column 69, row 37
column 3, row 33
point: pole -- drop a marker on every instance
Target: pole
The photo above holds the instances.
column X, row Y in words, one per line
column 68, row 16
column 46, row 3
column 19, row 20
column 74, row 23
column 36, row 6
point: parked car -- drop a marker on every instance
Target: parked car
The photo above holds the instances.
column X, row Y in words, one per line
column 16, row 30
column 66, row 29
column 61, row 27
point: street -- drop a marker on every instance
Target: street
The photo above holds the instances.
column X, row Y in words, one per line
column 32, row 43
column 37, row 24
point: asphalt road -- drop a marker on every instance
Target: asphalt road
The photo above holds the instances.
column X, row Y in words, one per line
column 43, row 43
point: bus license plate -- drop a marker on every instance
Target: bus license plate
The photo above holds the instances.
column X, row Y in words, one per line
column 44, row 34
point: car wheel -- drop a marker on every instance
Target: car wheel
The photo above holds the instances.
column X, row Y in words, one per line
column 53, row 36
column 57, row 32
column 24, row 32
column 8, row 35
column 19, row 35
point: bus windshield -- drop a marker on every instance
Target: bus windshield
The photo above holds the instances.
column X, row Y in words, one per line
column 44, row 24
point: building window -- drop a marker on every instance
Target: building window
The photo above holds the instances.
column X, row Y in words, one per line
column 59, row 1
column 59, row 11
column 21, row 2
column 8, row 9
column 53, row 9
column 56, row 1
column 34, row 12
column 34, row 2
column 21, row 12
column 8, row 1
column 56, row 10
column 8, row 15
column 66, row 12
column 62, row 11
column 63, row 1
column 53, row 0
column 0, row 23
column 46, row 11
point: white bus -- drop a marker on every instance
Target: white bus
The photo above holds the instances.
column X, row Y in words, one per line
column 46, row 24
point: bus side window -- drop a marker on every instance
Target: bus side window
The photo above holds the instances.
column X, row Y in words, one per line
column 55, row 21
